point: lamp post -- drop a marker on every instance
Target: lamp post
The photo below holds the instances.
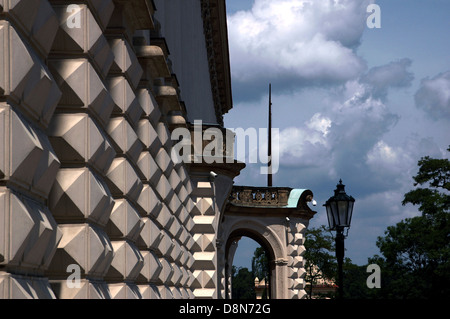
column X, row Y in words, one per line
column 339, row 212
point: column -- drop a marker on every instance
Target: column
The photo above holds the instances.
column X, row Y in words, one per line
column 204, row 217
column 295, row 266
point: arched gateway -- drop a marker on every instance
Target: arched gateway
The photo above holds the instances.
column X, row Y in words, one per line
column 276, row 218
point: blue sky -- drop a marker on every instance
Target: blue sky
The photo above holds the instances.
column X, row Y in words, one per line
column 350, row 102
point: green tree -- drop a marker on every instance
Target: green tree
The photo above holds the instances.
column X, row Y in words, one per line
column 243, row 283
column 260, row 267
column 416, row 251
column 320, row 259
column 355, row 278
column 320, row 255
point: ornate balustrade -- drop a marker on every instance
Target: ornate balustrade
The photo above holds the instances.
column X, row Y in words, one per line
column 260, row 196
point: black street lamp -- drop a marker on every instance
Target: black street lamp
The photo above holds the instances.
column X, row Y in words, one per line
column 339, row 212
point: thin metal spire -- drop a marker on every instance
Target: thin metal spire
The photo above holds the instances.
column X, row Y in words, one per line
column 269, row 173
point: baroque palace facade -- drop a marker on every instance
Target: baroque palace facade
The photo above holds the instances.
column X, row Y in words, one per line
column 90, row 93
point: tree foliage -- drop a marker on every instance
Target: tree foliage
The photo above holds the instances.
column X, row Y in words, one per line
column 260, row 268
column 243, row 283
column 320, row 261
column 416, row 251
column 260, row 264
column 355, row 278
column 243, row 280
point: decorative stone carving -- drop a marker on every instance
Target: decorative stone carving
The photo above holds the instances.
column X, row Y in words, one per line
column 175, row 181
column 33, row 165
column 103, row 10
column 125, row 138
column 148, row 203
column 37, row 18
column 79, row 195
column 164, row 162
column 124, row 291
column 149, row 291
column 87, row 39
column 78, row 139
column 165, row 217
column 125, row 61
column 203, row 242
column 164, row 136
column 124, row 98
column 72, row 76
column 28, row 233
column 85, row 245
column 150, row 236
column 260, row 196
column 89, row 289
column 31, row 85
column 148, row 136
column 175, row 206
column 125, row 222
column 152, row 268
column 149, row 105
column 166, row 245
column 127, row 262
column 164, row 190
column 165, row 292
column 14, row 286
column 123, row 180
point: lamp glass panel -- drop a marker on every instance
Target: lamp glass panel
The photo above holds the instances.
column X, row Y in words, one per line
column 350, row 212
column 342, row 213
column 331, row 222
column 334, row 212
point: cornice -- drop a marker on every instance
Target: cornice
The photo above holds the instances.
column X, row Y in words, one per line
column 216, row 36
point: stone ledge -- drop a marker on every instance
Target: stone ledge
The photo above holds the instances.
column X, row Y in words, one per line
column 138, row 12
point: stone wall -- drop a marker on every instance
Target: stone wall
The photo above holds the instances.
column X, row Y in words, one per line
column 86, row 177
column 91, row 203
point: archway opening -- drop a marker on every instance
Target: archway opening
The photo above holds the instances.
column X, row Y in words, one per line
column 249, row 267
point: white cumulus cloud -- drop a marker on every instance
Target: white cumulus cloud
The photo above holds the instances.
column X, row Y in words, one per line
column 434, row 96
column 296, row 40
column 347, row 137
column 307, row 145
